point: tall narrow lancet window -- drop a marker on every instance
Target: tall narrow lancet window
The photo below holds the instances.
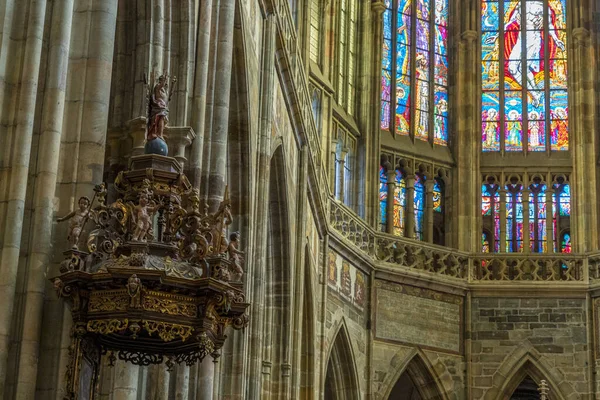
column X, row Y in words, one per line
column 419, row 206
column 347, row 46
column 537, row 217
column 524, row 75
column 490, row 210
column 414, row 77
column 399, row 204
column 439, row 221
column 514, row 218
column 315, row 31
column 383, row 193
column 561, row 212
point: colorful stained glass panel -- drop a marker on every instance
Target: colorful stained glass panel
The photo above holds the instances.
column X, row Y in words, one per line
column 423, row 7
column 441, row 12
column 441, row 70
column 536, row 135
column 513, row 131
column 489, row 16
column 422, row 34
column 441, row 38
column 490, row 74
column 403, row 29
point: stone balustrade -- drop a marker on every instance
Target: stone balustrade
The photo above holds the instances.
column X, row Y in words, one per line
column 385, row 249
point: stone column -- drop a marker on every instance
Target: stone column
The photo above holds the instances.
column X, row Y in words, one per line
column 429, row 210
column 526, row 233
column 158, row 382
column 178, row 139
column 502, row 238
column 125, row 384
column 257, row 273
column 182, row 382
column 220, row 126
column 410, row 206
column 206, row 377
column 137, row 130
column 468, row 125
column 200, row 89
column 40, row 255
column 21, row 129
column 391, row 182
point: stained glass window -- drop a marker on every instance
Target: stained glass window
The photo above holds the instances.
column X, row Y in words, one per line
column 414, row 84
column 437, row 196
column 524, row 75
column 485, row 243
column 419, row 206
column 514, row 218
column 537, row 217
column 565, row 243
column 399, row 204
column 561, row 212
column 383, row 193
column 490, row 210
column 347, row 55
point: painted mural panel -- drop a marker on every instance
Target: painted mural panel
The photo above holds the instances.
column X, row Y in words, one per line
column 346, row 280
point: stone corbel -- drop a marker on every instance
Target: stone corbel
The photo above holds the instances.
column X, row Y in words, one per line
column 178, row 138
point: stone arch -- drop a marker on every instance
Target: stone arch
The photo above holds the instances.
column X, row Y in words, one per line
column 278, row 275
column 423, row 375
column 341, row 378
column 522, row 362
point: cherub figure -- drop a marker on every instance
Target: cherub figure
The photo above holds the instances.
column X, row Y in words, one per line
column 142, row 218
column 235, row 254
column 78, row 219
column 134, row 289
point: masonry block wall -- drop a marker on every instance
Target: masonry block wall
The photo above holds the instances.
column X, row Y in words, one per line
column 545, row 335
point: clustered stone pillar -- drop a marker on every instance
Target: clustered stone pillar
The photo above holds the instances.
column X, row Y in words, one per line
column 257, row 275
column 215, row 184
column 22, row 103
column 125, row 383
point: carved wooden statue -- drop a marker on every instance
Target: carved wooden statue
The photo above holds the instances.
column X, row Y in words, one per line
column 142, row 218
column 78, row 219
column 134, row 289
column 236, row 255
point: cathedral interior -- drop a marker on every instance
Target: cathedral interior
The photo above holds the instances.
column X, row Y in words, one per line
column 299, row 199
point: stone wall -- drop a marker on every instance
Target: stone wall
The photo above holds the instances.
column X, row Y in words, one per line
column 513, row 335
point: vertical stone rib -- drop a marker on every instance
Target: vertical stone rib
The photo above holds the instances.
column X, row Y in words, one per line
column 125, row 384
column 200, row 89
column 220, row 127
column 206, row 377
column 22, row 134
column 45, row 187
column 257, row 275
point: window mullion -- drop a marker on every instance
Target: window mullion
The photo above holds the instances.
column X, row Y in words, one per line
column 501, row 73
column 413, row 73
column 547, row 79
column 524, row 83
column 431, row 54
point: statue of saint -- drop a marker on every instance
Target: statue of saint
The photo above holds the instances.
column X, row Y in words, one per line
column 236, row 255
column 158, row 107
column 78, row 219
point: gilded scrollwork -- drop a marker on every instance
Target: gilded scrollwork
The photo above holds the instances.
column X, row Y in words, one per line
column 103, row 301
column 168, row 331
column 106, row 327
column 170, row 306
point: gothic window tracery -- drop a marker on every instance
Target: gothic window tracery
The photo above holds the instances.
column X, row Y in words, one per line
column 524, row 103
column 347, row 48
column 414, row 76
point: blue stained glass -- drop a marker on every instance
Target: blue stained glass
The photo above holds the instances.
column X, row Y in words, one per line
column 490, row 127
column 441, row 12
column 422, row 67
column 513, row 106
column 559, row 104
column 404, row 6
column 490, row 71
column 441, row 38
column 536, row 104
column 403, row 29
column 387, row 24
column 490, row 48
column 440, row 131
column 402, row 59
column 489, row 16
column 441, row 101
column 513, row 131
column 386, row 59
column 399, row 203
column 385, row 115
column 383, row 189
column 565, row 201
column 536, row 135
column 419, row 200
column 512, row 16
column 437, row 196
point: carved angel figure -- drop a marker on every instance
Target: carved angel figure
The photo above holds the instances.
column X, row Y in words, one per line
column 142, row 218
column 78, row 219
column 236, row 255
column 134, row 289
column 223, row 219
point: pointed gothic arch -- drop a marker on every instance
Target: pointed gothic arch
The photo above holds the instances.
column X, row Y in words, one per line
column 341, row 379
column 525, row 361
column 418, row 373
column 278, row 274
